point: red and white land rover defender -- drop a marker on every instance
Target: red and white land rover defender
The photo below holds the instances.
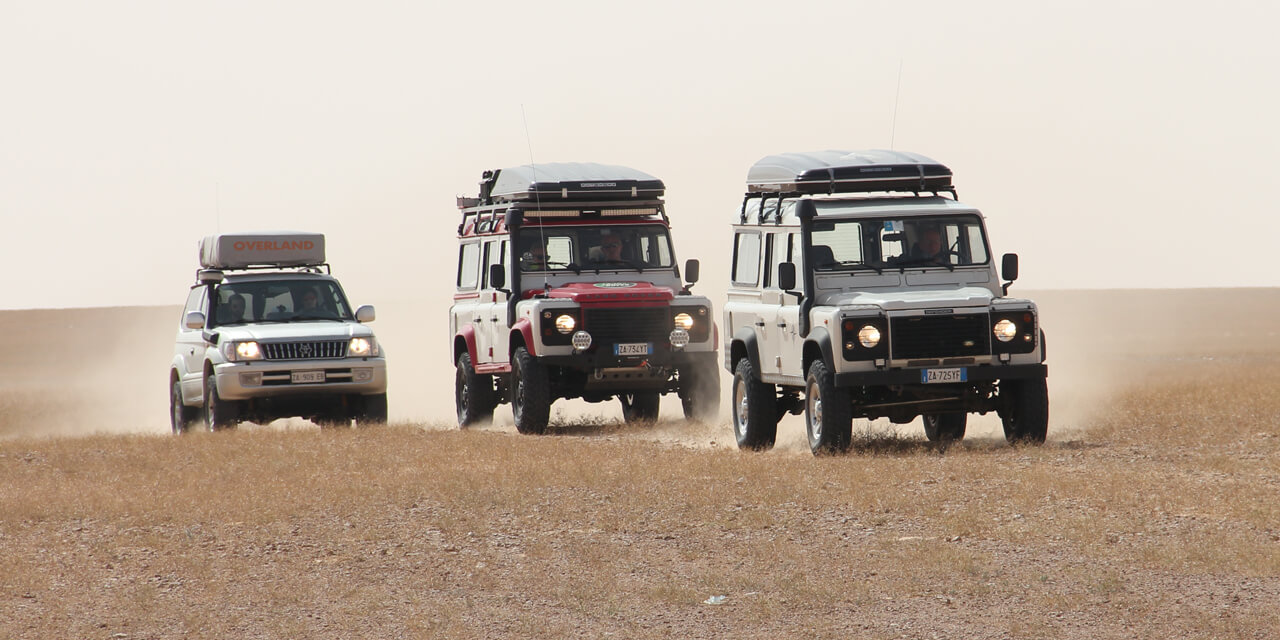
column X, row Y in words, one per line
column 567, row 287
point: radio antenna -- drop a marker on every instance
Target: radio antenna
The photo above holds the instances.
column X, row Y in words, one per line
column 537, row 201
column 893, row 128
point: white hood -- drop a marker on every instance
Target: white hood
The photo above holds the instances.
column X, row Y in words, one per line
column 961, row 297
column 287, row 331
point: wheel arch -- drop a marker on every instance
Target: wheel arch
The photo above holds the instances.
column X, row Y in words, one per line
column 817, row 346
column 744, row 345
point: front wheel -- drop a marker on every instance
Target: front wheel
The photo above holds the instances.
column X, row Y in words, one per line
column 755, row 409
column 473, row 394
column 700, row 391
column 180, row 415
column 218, row 413
column 373, row 410
column 828, row 414
column 639, row 407
column 530, row 393
column 944, row 427
column 1026, row 410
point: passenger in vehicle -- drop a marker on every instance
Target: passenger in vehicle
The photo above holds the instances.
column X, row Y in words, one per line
column 534, row 257
column 610, row 249
column 232, row 311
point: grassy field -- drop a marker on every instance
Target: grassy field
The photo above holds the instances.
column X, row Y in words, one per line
column 1153, row 512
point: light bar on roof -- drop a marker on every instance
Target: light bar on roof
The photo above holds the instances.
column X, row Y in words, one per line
column 578, row 213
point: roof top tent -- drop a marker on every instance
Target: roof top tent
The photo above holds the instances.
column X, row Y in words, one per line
column 833, row 171
column 262, row 249
column 568, row 181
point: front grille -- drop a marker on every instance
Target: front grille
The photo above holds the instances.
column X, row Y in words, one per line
column 628, row 324
column 939, row 336
column 314, row 350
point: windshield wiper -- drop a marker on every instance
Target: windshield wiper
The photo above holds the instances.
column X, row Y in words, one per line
column 926, row 262
column 846, row 264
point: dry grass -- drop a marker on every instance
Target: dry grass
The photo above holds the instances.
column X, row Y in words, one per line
column 1152, row 514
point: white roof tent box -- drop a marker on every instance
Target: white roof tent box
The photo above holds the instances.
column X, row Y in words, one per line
column 830, row 172
column 563, row 182
column 262, row 249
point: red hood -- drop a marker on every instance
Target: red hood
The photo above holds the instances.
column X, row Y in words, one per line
column 588, row 292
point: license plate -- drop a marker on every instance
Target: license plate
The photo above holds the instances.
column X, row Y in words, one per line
column 633, row 349
column 302, row 377
column 934, row 376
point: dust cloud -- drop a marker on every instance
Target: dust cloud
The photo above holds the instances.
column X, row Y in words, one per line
column 103, row 370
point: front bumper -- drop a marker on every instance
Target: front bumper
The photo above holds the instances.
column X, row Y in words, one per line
column 979, row 373
column 603, row 358
column 261, row 379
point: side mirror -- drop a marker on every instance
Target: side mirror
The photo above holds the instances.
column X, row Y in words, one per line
column 787, row 276
column 691, row 270
column 365, row 313
column 1009, row 266
column 193, row 320
column 497, row 276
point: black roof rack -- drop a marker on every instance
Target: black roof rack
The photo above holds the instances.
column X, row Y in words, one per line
column 561, row 182
column 835, row 171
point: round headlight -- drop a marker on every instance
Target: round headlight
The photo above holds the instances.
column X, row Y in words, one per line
column 248, row 351
column 869, row 336
column 581, row 340
column 1005, row 330
column 565, row 323
column 679, row 338
column 684, row 321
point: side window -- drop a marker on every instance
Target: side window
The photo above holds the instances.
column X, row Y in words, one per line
column 780, row 251
column 493, row 254
column 468, row 265
column 195, row 302
column 746, row 258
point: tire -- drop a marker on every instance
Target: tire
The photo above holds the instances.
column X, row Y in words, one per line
column 1026, row 411
column 639, row 407
column 473, row 394
column 373, row 410
column 755, row 409
column 828, row 414
column 218, row 413
column 180, row 416
column 530, row 393
column 700, row 391
column 944, row 427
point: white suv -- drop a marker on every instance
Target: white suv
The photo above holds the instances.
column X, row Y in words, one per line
column 267, row 333
column 898, row 312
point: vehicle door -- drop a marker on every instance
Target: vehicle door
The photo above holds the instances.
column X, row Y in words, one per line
column 746, row 307
column 465, row 311
column 785, row 247
column 190, row 344
column 494, row 303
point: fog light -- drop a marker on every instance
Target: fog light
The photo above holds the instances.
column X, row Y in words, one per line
column 250, row 379
column 362, row 375
column 679, row 338
column 581, row 340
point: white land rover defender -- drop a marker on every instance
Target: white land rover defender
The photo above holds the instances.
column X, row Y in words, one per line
column 267, row 333
column 568, row 288
column 898, row 311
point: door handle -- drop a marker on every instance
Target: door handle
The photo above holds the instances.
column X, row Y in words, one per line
column 782, row 324
column 477, row 319
column 759, row 323
column 493, row 319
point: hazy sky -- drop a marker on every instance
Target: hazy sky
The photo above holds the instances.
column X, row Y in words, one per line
column 1109, row 144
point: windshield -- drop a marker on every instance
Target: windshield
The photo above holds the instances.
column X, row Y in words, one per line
column 898, row 243
column 632, row 246
column 279, row 301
